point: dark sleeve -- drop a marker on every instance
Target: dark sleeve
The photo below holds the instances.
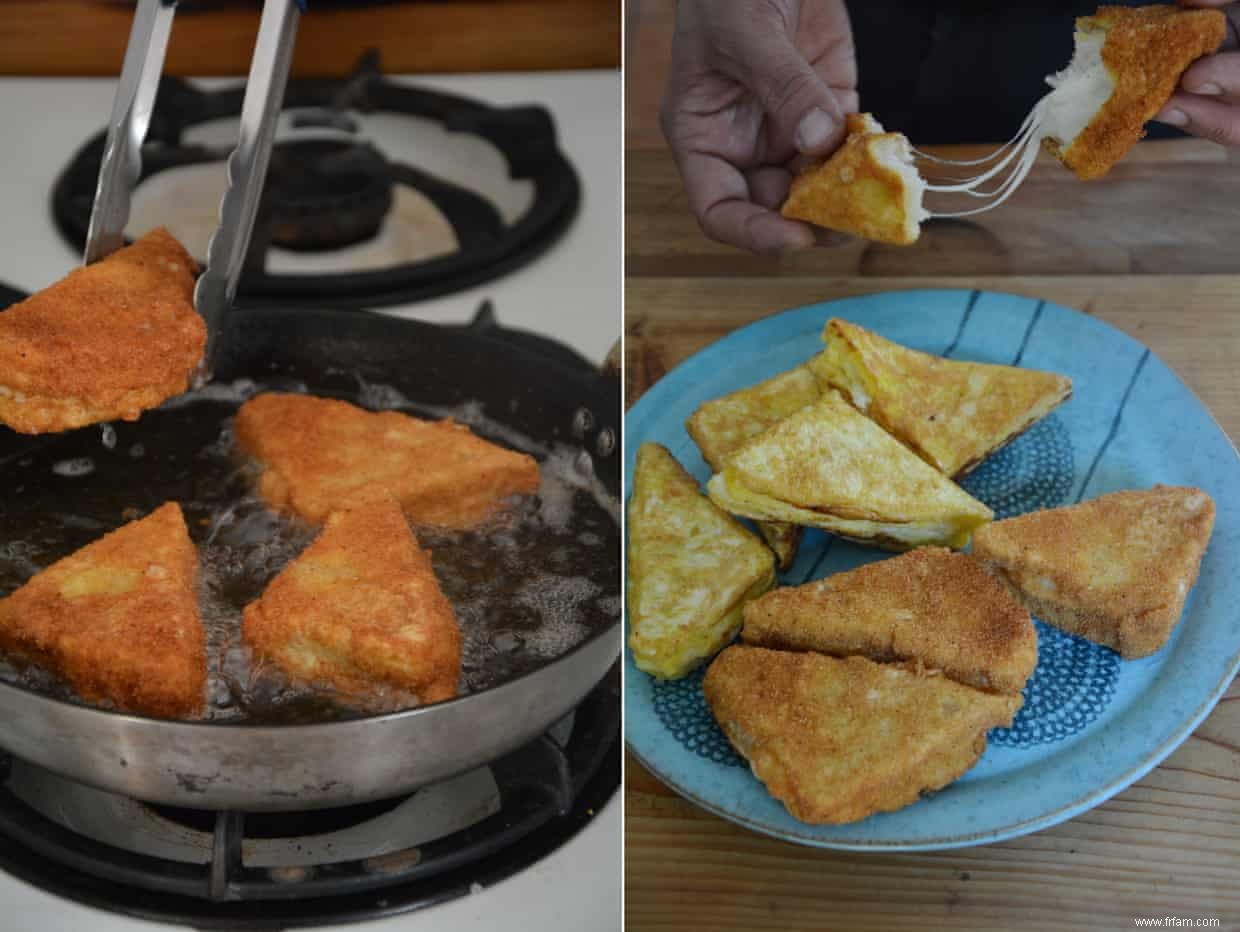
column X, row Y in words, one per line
column 961, row 70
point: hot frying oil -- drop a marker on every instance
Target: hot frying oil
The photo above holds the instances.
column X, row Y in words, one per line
column 528, row 586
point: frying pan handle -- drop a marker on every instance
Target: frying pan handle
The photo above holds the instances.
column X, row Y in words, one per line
column 614, row 362
column 486, row 324
column 599, row 438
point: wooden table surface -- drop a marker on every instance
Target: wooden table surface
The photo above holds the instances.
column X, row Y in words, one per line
column 216, row 37
column 1152, row 251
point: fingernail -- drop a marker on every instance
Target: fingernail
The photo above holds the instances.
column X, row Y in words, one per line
column 793, row 245
column 814, row 130
column 1173, row 117
column 1211, row 89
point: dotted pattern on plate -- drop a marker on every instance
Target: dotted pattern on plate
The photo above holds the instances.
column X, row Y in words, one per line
column 1074, row 679
column 681, row 707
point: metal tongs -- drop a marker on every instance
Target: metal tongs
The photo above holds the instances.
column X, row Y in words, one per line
column 247, row 165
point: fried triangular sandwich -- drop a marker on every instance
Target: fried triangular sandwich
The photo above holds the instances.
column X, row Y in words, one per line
column 952, row 414
column 837, row 740
column 360, row 609
column 930, row 606
column 830, row 466
column 118, row 620
column 320, row 454
column 1115, row 570
column 1127, row 64
column 723, row 425
column 108, row 341
column 691, row 569
column 869, row 187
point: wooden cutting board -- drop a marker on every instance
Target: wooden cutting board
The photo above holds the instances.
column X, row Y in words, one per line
column 216, row 37
column 1169, row 846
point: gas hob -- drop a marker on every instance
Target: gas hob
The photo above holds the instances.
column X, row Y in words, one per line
column 569, row 289
column 567, row 282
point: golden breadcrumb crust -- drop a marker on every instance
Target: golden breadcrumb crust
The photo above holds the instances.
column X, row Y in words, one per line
column 723, row 425
column 1115, row 570
column 953, row 414
column 360, row 607
column 691, row 569
column 1147, row 50
column 783, row 539
column 930, row 606
column 118, row 620
column 855, row 190
column 108, row 341
column 320, row 454
column 838, row 740
column 830, row 466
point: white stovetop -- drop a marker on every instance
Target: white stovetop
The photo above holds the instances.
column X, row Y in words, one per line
column 577, row 888
column 571, row 292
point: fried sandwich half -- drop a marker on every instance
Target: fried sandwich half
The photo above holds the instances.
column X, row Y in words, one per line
column 1115, row 570
column 723, row 425
column 360, row 608
column 691, row 569
column 830, row 466
column 838, row 740
column 930, row 606
column 118, row 620
column 1127, row 64
column 869, row 187
column 108, row 341
column 952, row 414
column 320, row 454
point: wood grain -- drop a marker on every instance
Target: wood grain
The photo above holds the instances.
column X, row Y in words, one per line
column 1191, row 321
column 87, row 37
column 1152, row 250
column 1167, row 846
column 1139, row 855
column 1167, row 209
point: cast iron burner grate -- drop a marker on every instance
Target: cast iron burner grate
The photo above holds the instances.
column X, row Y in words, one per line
column 327, row 193
column 544, row 793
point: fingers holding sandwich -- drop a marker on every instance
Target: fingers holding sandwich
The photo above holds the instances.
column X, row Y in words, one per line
column 731, row 193
column 1208, row 102
column 756, row 88
column 768, row 185
column 724, row 204
column 1209, row 118
column 803, row 115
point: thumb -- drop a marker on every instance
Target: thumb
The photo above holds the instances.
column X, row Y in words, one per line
column 802, row 112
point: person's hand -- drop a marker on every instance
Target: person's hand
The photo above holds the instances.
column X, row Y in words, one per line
column 1209, row 103
column 757, row 87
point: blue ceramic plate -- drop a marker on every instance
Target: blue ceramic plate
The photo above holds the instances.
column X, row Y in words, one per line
column 1091, row 724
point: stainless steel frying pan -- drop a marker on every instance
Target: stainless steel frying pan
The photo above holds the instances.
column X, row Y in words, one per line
column 252, row 767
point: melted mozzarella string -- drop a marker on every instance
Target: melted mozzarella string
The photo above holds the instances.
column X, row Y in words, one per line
column 1077, row 93
column 1034, row 116
column 1017, row 154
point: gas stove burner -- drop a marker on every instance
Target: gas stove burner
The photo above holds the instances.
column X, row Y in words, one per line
column 346, row 221
column 326, row 194
column 288, row 870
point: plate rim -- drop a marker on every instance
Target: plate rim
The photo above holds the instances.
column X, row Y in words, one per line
column 1092, row 798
